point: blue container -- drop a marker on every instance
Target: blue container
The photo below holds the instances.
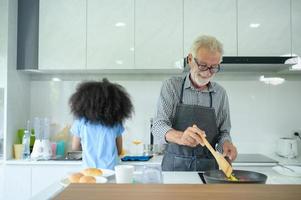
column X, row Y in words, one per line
column 60, row 148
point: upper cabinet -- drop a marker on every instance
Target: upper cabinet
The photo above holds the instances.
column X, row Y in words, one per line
column 150, row 35
column 158, row 33
column 62, row 34
column 110, row 34
column 264, row 27
column 296, row 27
column 217, row 18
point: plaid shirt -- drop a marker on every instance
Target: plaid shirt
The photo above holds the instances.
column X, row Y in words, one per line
column 170, row 97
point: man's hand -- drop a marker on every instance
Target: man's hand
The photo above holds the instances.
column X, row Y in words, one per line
column 191, row 138
column 229, row 150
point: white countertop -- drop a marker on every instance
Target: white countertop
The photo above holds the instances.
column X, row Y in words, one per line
column 156, row 160
column 286, row 161
column 168, row 178
column 184, row 178
column 44, row 162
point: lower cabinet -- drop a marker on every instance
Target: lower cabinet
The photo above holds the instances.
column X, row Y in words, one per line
column 17, row 182
column 1, row 182
column 44, row 176
column 26, row 181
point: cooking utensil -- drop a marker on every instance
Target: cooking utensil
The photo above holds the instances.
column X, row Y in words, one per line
column 221, row 161
column 217, row 176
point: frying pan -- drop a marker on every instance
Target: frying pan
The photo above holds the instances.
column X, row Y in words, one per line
column 218, row 176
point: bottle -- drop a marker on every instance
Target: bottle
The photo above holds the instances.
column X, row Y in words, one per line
column 26, row 142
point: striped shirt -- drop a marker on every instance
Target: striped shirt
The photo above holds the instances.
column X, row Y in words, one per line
column 170, row 97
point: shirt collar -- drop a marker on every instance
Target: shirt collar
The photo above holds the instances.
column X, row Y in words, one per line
column 188, row 84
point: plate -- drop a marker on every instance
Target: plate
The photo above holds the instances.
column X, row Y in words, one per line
column 65, row 182
column 284, row 171
column 107, row 173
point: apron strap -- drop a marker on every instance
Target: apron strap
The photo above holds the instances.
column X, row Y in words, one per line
column 182, row 90
column 210, row 93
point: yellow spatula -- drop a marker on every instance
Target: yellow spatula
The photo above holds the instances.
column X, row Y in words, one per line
column 221, row 161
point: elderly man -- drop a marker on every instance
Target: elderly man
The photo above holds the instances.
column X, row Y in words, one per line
column 192, row 99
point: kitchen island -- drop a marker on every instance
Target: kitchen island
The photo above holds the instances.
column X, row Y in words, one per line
column 275, row 181
column 177, row 192
column 40, row 178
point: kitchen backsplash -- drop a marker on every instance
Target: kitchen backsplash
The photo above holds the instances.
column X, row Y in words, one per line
column 260, row 113
column 1, row 113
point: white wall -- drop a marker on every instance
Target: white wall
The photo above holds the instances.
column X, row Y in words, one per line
column 260, row 113
column 263, row 113
column 17, row 93
column 1, row 116
column 51, row 99
column 3, row 64
column 3, row 46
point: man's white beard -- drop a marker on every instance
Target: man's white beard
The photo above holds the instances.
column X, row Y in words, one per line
column 201, row 81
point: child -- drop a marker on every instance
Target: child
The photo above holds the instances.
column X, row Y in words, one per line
column 100, row 109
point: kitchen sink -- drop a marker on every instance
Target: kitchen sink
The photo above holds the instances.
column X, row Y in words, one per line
column 70, row 156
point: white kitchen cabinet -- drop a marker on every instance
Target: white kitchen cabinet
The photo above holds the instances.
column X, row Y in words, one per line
column 45, row 175
column 62, row 35
column 264, row 27
column 17, row 181
column 1, row 181
column 158, row 33
column 296, row 27
column 110, row 34
column 216, row 18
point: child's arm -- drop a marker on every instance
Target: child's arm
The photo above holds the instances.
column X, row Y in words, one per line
column 76, row 146
column 119, row 145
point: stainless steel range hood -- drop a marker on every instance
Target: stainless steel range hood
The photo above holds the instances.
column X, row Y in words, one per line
column 254, row 63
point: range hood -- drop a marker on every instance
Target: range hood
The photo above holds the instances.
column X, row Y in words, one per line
column 254, row 63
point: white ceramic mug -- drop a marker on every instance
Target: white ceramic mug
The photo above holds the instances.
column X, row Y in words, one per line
column 124, row 173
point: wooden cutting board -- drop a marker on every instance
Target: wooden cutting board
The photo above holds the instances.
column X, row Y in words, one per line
column 180, row 191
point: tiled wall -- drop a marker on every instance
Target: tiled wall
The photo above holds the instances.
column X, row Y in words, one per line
column 260, row 113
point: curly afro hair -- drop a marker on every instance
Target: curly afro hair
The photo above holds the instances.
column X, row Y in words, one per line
column 101, row 102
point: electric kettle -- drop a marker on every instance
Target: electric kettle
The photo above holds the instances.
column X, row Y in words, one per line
column 287, row 147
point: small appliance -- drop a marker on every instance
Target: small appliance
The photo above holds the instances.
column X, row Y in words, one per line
column 42, row 147
column 287, row 147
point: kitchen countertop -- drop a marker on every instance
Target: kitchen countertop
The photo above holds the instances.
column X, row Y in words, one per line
column 242, row 160
column 168, row 178
column 156, row 160
column 44, row 162
column 177, row 192
column 186, row 178
column 286, row 161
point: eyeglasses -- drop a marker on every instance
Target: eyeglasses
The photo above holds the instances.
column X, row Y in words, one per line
column 203, row 67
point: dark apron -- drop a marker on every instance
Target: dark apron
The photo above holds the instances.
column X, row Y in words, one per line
column 183, row 158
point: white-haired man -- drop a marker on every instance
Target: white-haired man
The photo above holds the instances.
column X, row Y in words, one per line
column 193, row 100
